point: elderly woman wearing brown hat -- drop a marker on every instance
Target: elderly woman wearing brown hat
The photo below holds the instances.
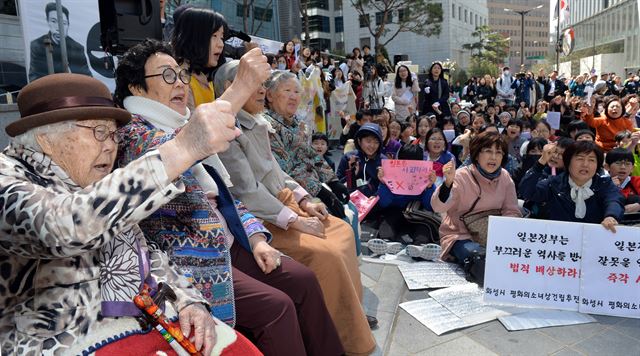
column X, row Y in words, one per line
column 71, row 253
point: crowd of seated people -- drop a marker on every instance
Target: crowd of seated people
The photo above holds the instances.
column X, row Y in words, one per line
column 199, row 204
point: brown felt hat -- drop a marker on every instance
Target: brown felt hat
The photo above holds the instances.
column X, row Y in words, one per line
column 61, row 97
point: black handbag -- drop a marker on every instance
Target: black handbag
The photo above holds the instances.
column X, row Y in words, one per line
column 431, row 221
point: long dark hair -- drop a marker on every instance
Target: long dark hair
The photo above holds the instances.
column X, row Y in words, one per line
column 409, row 80
column 192, row 37
column 431, row 68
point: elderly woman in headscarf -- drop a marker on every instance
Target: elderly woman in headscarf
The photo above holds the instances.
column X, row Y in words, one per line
column 214, row 240
column 73, row 256
column 325, row 244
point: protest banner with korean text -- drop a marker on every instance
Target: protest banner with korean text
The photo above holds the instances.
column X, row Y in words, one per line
column 533, row 262
column 611, row 271
column 406, row 177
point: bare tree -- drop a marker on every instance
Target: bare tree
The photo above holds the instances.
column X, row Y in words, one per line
column 418, row 16
column 253, row 20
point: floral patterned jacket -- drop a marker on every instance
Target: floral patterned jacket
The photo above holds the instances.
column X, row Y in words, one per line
column 72, row 259
column 292, row 149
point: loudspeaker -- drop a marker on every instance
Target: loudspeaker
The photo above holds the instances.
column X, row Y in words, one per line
column 399, row 58
column 125, row 23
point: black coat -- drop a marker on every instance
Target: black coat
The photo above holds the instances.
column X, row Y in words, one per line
column 38, row 64
column 560, row 88
column 555, row 193
column 432, row 97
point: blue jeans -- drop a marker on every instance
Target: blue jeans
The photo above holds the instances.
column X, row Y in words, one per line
column 462, row 249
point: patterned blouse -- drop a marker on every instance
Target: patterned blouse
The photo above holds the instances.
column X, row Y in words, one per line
column 292, row 150
column 190, row 229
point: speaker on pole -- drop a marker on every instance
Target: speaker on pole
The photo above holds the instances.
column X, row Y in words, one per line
column 124, row 23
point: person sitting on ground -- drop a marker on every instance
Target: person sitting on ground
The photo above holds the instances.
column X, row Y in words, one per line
column 534, row 151
column 301, row 228
column 222, row 248
column 359, row 169
column 579, row 194
column 482, row 186
column 585, row 135
column 613, row 120
column 353, row 124
column 619, row 163
column 406, row 133
column 320, row 143
column 423, row 125
column 70, row 243
column 395, row 227
column 575, row 126
column 436, row 151
column 390, row 146
column 628, row 140
column 395, row 128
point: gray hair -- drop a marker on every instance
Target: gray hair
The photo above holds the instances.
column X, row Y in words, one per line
column 227, row 72
column 55, row 130
column 278, row 78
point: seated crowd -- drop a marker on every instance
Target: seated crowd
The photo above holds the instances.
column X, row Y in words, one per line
column 197, row 212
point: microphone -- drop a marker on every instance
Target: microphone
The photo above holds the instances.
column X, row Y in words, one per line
column 238, row 34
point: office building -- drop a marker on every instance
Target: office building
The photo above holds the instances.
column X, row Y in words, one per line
column 505, row 18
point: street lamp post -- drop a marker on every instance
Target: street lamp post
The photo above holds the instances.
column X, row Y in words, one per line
column 522, row 13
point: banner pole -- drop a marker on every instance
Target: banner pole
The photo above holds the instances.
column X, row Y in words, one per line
column 63, row 37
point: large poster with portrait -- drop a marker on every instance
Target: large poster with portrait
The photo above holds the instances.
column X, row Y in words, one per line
column 81, row 20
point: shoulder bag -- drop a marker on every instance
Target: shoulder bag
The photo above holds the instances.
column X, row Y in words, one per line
column 478, row 222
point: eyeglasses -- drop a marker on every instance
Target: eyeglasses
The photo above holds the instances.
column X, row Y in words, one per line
column 102, row 133
column 436, row 139
column 623, row 163
column 169, row 75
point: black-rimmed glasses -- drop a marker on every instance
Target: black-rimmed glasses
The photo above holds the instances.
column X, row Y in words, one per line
column 169, row 75
column 102, row 133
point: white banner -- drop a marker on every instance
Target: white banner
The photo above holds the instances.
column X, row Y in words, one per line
column 82, row 23
column 533, row 262
column 267, row 46
column 611, row 284
column 561, row 265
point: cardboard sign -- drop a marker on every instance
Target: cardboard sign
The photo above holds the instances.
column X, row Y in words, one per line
column 533, row 262
column 611, row 271
column 553, row 119
column 406, row 177
column 363, row 204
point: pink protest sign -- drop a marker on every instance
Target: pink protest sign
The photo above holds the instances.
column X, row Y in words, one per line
column 362, row 203
column 406, row 177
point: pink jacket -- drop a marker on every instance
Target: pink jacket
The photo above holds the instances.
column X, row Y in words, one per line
column 499, row 193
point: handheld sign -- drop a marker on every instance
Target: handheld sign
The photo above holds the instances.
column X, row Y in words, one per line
column 553, row 119
column 406, row 177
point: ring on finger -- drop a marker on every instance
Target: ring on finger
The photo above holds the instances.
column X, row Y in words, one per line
column 278, row 262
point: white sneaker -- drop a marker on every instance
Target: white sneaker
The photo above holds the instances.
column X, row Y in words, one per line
column 381, row 247
column 429, row 252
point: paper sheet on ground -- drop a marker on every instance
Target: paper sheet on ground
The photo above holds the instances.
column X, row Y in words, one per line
column 543, row 318
column 465, row 301
column 434, row 316
column 422, row 275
